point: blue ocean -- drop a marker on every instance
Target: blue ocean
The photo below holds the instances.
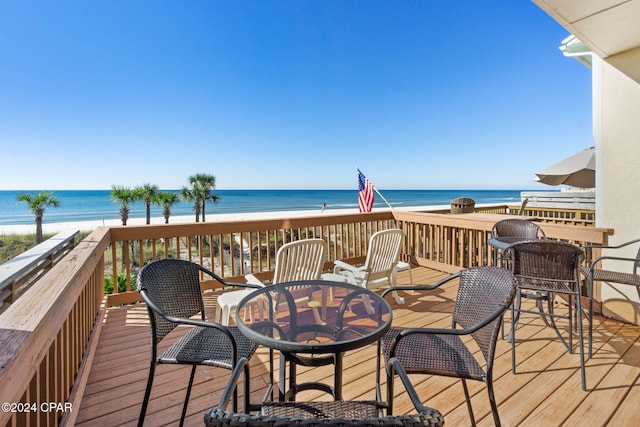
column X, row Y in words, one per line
column 91, row 205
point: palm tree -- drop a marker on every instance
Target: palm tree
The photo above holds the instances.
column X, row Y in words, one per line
column 189, row 195
column 166, row 200
column 148, row 192
column 37, row 204
column 202, row 185
column 125, row 196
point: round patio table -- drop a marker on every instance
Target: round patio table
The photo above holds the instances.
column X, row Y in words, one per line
column 288, row 320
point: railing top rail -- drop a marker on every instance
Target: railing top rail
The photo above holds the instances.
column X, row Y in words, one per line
column 485, row 221
column 23, row 263
column 122, row 233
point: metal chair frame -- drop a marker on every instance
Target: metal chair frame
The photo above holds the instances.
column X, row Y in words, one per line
column 484, row 294
column 171, row 290
column 544, row 268
column 595, row 274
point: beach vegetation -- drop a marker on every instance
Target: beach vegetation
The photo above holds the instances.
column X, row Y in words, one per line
column 166, row 200
column 121, row 281
column 148, row 192
column 37, row 203
column 13, row 245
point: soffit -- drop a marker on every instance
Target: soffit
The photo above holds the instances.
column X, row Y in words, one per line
column 609, row 28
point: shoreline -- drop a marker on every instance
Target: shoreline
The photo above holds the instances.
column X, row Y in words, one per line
column 57, row 227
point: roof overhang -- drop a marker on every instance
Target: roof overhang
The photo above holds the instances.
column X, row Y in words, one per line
column 609, row 28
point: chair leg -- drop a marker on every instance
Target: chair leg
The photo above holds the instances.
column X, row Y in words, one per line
column 186, row 397
column 224, row 318
column 398, row 298
column 583, row 373
column 492, row 401
column 591, row 317
column 512, row 335
column 147, row 392
column 390, row 378
column 247, row 389
column 468, row 398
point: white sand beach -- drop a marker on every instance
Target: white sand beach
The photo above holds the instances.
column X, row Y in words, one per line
column 51, row 228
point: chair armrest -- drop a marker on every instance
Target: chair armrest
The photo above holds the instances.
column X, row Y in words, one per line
column 253, row 281
column 613, row 258
column 341, row 265
column 446, row 331
column 225, row 283
column 621, row 245
column 420, row 287
column 185, row 321
column 395, row 365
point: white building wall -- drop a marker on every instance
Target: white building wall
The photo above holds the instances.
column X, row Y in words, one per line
column 617, row 134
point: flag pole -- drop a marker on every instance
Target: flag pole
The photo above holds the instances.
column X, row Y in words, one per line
column 379, row 194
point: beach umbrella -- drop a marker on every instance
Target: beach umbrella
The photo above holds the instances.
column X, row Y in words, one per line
column 578, row 170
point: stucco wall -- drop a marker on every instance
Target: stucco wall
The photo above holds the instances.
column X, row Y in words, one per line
column 617, row 134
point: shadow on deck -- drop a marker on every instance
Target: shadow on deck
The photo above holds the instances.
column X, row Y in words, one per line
column 545, row 391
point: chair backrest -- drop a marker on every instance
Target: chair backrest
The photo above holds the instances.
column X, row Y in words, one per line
column 523, row 206
column 483, row 292
column 172, row 285
column 546, row 263
column 516, row 227
column 383, row 253
column 300, row 260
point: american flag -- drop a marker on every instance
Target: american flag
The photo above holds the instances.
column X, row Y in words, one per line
column 365, row 194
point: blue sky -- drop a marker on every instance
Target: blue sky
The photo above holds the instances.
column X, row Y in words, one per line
column 431, row 94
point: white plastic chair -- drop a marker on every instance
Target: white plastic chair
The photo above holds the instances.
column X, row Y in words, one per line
column 299, row 260
column 380, row 266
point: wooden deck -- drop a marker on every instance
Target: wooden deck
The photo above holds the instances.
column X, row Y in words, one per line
column 545, row 391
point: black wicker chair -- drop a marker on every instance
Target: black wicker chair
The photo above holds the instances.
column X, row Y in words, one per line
column 334, row 413
column 595, row 273
column 171, row 290
column 484, row 294
column 518, row 228
column 544, row 268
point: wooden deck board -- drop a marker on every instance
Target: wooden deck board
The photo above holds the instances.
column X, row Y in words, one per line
column 545, row 391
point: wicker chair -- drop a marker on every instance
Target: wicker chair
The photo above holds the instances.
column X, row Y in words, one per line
column 462, row 205
column 171, row 290
column 484, row 294
column 544, row 268
column 334, row 413
column 596, row 274
column 516, row 227
column 513, row 230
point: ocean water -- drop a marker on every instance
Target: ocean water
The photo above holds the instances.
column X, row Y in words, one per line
column 91, row 205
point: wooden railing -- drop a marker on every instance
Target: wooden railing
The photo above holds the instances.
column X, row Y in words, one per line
column 18, row 274
column 449, row 243
column 233, row 249
column 47, row 336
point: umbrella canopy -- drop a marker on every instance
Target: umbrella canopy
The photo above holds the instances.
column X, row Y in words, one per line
column 578, row 170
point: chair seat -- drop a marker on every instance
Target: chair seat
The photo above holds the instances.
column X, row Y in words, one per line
column 207, row 346
column 438, row 354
